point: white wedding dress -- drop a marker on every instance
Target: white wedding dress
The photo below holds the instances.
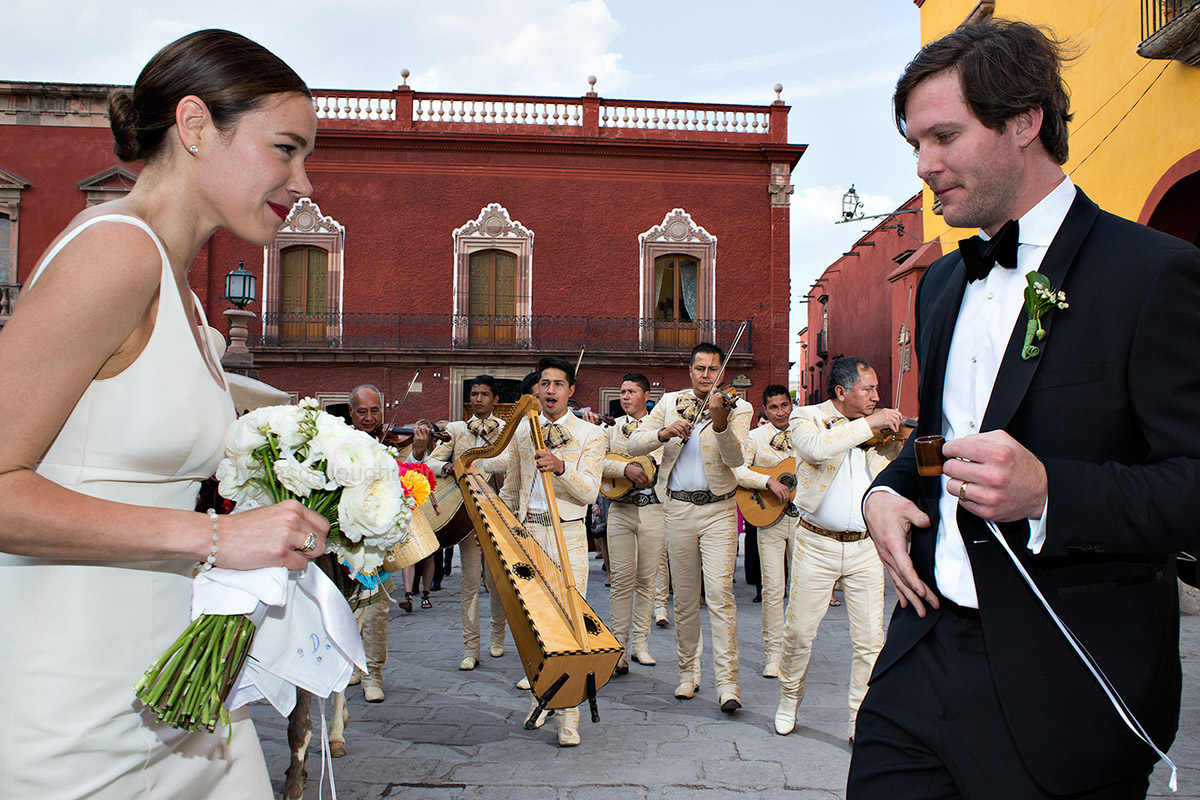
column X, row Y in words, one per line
column 75, row 636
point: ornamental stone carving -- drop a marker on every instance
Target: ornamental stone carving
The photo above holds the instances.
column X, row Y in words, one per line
column 677, row 227
column 494, row 222
column 306, row 217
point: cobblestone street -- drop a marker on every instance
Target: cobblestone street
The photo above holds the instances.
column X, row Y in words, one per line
column 443, row 733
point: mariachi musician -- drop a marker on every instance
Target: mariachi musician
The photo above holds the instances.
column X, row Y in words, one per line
column 768, row 446
column 482, row 429
column 635, row 530
column 701, row 445
column 371, row 608
column 574, row 456
column 836, row 460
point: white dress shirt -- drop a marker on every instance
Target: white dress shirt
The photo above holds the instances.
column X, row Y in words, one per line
column 537, row 494
column 841, row 507
column 687, row 475
column 990, row 309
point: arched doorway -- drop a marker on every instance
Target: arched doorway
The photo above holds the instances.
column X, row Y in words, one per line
column 1171, row 206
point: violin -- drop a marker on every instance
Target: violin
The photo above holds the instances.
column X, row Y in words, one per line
column 906, row 428
column 606, row 420
column 400, row 436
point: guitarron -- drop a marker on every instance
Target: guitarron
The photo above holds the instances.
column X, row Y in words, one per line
column 567, row 652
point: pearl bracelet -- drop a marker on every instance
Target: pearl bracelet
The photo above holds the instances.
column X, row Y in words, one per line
column 212, row 551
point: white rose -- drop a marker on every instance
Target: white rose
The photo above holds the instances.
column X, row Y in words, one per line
column 297, row 478
column 236, row 480
column 284, row 423
column 373, row 511
column 359, row 557
column 351, row 460
column 244, row 437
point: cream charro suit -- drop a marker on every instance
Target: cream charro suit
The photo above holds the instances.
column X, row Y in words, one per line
column 470, row 556
column 574, row 490
column 635, row 548
column 821, row 438
column 701, row 540
column 774, row 541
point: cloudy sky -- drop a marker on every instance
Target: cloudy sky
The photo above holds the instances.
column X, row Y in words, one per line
column 837, row 62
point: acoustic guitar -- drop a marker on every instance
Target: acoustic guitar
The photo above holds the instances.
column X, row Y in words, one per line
column 614, row 488
column 760, row 507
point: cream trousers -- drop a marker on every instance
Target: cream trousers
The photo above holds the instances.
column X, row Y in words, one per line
column 575, row 537
column 818, row 561
column 470, row 561
column 702, row 544
column 635, row 544
column 774, row 552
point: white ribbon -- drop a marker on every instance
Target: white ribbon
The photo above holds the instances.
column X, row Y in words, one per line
column 306, row 634
column 1114, row 697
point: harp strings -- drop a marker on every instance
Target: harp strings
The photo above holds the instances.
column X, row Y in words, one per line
column 544, row 565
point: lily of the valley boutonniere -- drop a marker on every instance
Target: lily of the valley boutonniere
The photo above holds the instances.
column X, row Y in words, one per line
column 1040, row 297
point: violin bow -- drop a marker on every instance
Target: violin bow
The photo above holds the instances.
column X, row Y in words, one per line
column 721, row 372
column 398, row 403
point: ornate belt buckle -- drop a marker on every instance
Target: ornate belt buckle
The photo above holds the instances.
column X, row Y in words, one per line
column 701, row 498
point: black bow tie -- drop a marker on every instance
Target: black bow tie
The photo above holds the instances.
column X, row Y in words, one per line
column 980, row 256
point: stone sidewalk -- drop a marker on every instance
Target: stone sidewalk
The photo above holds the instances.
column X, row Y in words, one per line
column 444, row 734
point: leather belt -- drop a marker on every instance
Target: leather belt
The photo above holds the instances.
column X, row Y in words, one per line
column 701, row 497
column 638, row 500
column 841, row 536
column 792, row 511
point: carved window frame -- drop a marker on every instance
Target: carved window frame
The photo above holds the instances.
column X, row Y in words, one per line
column 678, row 233
column 10, row 206
column 493, row 229
column 111, row 184
column 305, row 225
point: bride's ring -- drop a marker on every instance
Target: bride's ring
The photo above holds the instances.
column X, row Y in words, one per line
column 962, row 492
column 310, row 543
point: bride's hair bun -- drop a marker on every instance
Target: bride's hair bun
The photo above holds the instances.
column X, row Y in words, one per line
column 123, row 119
column 227, row 71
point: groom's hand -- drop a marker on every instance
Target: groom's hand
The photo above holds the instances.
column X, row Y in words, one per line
column 1005, row 482
column 890, row 519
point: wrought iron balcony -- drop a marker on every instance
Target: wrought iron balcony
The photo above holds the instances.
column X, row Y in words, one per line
column 1171, row 29
column 538, row 333
column 822, row 344
column 8, row 299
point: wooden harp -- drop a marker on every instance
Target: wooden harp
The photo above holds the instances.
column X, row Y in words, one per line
column 567, row 651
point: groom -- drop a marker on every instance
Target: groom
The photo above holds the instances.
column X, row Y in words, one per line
column 1087, row 456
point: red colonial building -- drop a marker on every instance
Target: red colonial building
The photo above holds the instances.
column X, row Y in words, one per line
column 459, row 234
column 862, row 305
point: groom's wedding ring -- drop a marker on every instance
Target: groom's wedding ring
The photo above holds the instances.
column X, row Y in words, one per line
column 962, row 492
column 310, row 543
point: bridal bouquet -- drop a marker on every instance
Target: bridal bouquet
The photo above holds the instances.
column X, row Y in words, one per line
column 274, row 454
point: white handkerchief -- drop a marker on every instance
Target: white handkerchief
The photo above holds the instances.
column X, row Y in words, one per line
column 306, row 634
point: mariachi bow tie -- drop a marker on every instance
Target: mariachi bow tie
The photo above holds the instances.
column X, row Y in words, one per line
column 630, row 427
column 980, row 256
column 555, row 435
column 782, row 441
column 483, row 428
column 688, row 406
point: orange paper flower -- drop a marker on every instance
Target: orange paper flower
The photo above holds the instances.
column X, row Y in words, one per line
column 416, row 485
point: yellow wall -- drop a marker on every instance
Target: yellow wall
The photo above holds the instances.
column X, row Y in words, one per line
column 1162, row 128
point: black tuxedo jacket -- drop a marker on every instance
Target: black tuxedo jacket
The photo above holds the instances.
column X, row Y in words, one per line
column 1111, row 406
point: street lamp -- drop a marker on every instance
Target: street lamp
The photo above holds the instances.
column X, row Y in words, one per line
column 851, row 205
column 239, row 290
column 240, row 285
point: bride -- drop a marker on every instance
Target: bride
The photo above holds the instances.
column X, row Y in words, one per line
column 115, row 407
